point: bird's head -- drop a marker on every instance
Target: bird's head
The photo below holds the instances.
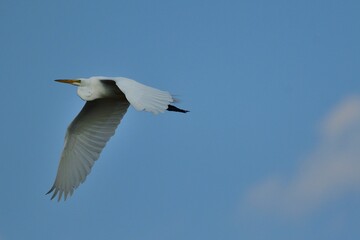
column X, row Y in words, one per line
column 75, row 82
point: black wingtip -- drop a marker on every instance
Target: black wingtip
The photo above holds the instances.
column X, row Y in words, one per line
column 52, row 189
column 176, row 109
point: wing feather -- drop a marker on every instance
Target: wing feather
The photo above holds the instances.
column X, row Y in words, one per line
column 85, row 138
column 142, row 97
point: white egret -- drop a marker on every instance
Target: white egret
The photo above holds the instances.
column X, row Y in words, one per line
column 107, row 100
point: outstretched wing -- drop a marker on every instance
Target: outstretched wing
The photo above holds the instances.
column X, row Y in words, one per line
column 143, row 97
column 85, row 138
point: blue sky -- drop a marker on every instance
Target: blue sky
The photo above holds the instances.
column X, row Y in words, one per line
column 269, row 150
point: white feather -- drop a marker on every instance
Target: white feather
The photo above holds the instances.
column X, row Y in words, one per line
column 142, row 97
column 86, row 137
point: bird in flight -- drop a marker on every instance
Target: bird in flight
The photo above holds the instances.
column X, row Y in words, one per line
column 107, row 100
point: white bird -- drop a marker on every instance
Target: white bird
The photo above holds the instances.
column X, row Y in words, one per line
column 107, row 100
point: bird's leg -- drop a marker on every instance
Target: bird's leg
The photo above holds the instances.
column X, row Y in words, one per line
column 175, row 109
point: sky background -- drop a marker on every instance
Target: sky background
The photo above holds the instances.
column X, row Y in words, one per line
column 270, row 149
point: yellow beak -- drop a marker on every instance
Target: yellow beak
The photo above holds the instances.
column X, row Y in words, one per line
column 69, row 81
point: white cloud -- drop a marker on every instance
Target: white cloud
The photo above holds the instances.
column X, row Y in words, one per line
column 343, row 117
column 331, row 170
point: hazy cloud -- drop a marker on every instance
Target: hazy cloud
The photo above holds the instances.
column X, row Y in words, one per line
column 332, row 169
column 343, row 117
